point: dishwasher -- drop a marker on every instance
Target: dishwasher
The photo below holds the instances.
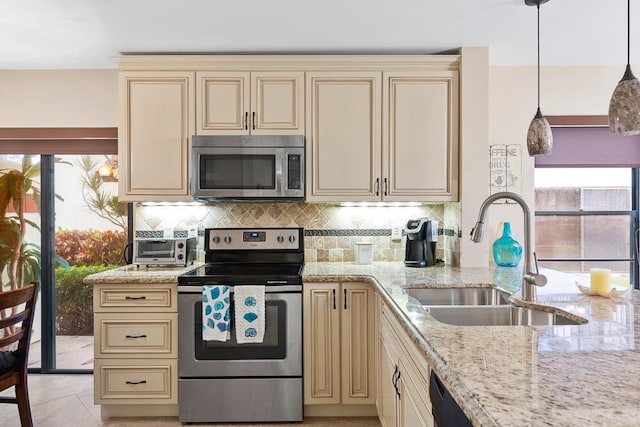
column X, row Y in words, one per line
column 446, row 412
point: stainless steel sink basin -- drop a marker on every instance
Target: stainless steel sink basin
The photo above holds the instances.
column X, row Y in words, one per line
column 459, row 296
column 498, row 315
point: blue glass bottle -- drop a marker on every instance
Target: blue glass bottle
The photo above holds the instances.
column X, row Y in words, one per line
column 507, row 251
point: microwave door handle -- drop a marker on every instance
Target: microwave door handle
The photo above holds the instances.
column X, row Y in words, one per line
column 279, row 172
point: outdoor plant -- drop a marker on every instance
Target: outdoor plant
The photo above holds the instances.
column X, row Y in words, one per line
column 74, row 314
column 20, row 261
column 88, row 252
column 91, row 247
column 98, row 201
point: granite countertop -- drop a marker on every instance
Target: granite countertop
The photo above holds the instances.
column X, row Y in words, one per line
column 139, row 274
column 584, row 375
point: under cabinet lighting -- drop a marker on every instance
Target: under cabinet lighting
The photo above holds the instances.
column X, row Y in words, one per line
column 171, row 203
column 380, row 204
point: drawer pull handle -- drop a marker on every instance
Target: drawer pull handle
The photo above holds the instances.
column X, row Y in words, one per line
column 136, row 382
column 135, row 298
column 135, row 336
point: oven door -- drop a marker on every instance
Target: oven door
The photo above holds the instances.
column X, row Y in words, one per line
column 280, row 353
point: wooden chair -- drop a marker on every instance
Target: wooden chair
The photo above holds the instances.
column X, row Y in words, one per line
column 13, row 364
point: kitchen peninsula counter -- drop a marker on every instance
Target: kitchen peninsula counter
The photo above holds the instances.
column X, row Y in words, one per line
column 519, row 375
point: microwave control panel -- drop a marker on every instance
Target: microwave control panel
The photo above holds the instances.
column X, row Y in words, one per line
column 294, row 180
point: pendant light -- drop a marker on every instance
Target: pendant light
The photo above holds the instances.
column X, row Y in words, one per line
column 624, row 107
column 539, row 136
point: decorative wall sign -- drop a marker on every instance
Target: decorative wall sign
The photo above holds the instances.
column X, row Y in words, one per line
column 505, row 168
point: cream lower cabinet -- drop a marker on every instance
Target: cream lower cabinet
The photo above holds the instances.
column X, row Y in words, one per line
column 338, row 343
column 135, row 347
column 156, row 122
column 382, row 136
column 250, row 103
column 403, row 375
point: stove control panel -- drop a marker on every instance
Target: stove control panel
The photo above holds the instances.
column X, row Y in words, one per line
column 253, row 239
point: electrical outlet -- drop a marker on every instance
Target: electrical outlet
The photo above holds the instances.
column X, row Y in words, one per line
column 396, row 232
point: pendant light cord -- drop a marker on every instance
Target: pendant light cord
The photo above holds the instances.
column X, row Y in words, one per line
column 628, row 32
column 538, row 6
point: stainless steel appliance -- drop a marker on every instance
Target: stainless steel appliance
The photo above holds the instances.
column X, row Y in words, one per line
column 173, row 251
column 422, row 237
column 266, row 167
column 231, row 382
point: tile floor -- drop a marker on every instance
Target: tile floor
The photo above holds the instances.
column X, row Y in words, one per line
column 67, row 400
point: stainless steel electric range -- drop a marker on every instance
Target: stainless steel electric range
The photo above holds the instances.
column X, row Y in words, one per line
column 224, row 381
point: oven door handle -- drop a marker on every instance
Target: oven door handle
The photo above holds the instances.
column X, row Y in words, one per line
column 191, row 289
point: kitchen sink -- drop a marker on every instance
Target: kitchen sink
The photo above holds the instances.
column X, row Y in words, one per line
column 459, row 296
column 497, row 315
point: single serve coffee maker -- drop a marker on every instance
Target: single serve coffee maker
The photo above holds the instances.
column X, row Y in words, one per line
column 422, row 237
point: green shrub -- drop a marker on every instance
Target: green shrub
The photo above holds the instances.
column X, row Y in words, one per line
column 74, row 299
column 91, row 247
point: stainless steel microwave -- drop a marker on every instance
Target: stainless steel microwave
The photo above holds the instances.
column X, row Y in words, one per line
column 235, row 167
column 176, row 251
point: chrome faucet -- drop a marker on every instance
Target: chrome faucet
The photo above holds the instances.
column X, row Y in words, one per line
column 530, row 276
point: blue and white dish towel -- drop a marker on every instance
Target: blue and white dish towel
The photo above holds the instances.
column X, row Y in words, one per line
column 215, row 313
column 249, row 318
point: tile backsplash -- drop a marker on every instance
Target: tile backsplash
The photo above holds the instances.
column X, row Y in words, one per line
column 331, row 231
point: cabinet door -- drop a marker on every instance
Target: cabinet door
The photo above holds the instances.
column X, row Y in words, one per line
column 321, row 329
column 413, row 409
column 223, row 102
column 387, row 411
column 343, row 136
column 357, row 327
column 420, row 138
column 156, row 123
column 277, row 103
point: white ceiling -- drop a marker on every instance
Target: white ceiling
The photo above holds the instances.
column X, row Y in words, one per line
column 44, row 34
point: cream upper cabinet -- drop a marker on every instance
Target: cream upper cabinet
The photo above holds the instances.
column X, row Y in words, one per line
column 389, row 136
column 155, row 125
column 420, row 136
column 343, row 135
column 338, row 343
column 244, row 103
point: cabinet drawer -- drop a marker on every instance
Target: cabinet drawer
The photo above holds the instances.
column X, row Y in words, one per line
column 129, row 382
column 134, row 298
column 136, row 335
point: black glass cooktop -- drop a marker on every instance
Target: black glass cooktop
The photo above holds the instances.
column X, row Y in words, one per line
column 231, row 273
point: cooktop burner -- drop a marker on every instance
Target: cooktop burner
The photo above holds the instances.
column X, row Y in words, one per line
column 243, row 273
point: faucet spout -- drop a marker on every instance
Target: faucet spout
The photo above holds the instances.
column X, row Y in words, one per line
column 530, row 277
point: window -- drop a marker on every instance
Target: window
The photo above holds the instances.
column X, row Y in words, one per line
column 586, row 204
column 67, row 224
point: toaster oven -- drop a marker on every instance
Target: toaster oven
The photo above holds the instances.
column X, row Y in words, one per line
column 172, row 251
